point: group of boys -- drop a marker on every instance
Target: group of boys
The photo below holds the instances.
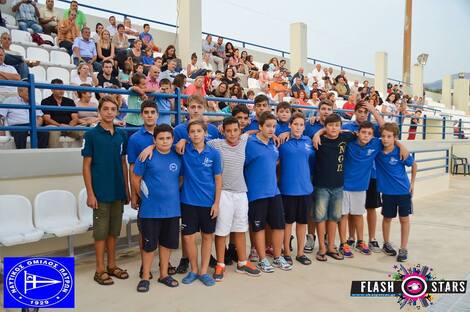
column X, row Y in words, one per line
column 259, row 174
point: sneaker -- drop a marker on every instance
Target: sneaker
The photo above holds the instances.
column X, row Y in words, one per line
column 265, row 266
column 388, row 250
column 309, row 244
column 212, row 262
column 218, row 273
column 183, row 266
column 248, row 269
column 228, row 257
column 253, row 257
column 361, row 246
column 191, row 277
column 345, row 249
column 270, row 251
column 206, row 279
column 282, row 264
column 374, row 246
column 233, row 252
column 402, row 255
column 350, row 241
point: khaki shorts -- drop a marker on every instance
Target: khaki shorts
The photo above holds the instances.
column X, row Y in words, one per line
column 107, row 220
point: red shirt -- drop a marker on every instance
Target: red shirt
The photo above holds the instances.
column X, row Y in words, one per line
column 192, row 90
column 349, row 105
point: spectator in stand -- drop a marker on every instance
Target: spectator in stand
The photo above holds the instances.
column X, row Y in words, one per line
column 302, row 98
column 60, row 118
column 105, row 48
column 273, row 64
column 197, row 87
column 253, row 80
column 171, row 72
column 282, row 65
column 121, row 44
column 297, row 86
column 264, row 78
column 278, row 88
column 209, row 47
column 164, row 103
column 250, row 63
column 80, row 20
column 68, row 32
column 315, row 89
column 2, row 21
column 147, row 38
column 193, row 70
column 415, row 121
column 365, row 89
column 390, row 109
column 158, row 62
column 229, row 51
column 244, row 56
column 135, row 101
column 299, row 73
column 86, row 99
column 341, row 88
column 229, row 77
column 330, row 74
column 221, row 92
column 307, row 88
column 152, row 83
column 84, row 50
column 355, row 88
column 350, row 104
column 84, row 76
column 179, row 82
column 20, row 117
column 7, row 72
column 315, row 100
column 27, row 15
column 206, row 63
column 317, row 73
column 112, row 27
column 131, row 33
column 95, row 35
column 125, row 75
column 170, row 54
column 236, row 91
column 15, row 59
column 49, row 18
column 217, row 80
column 236, row 63
column 134, row 55
column 147, row 59
column 220, row 47
column 106, row 79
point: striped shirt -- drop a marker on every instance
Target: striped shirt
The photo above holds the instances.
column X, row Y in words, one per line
column 233, row 159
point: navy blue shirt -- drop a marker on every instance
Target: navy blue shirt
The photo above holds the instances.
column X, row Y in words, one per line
column 260, row 168
column 199, row 170
column 295, row 157
column 137, row 143
column 254, row 125
column 281, row 127
column 159, row 189
column 358, row 163
column 106, row 151
column 181, row 132
column 392, row 178
column 311, row 129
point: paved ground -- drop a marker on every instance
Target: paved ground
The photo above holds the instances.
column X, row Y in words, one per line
column 439, row 232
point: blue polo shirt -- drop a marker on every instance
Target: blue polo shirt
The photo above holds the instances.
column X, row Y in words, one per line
column 106, row 151
column 281, row 127
column 181, row 132
column 159, row 189
column 358, row 162
column 311, row 129
column 392, row 178
column 137, row 143
column 87, row 48
column 199, row 170
column 254, row 125
column 296, row 157
column 163, row 104
column 260, row 168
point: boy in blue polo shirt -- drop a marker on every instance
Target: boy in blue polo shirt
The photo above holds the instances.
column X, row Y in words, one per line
column 295, row 157
column 265, row 202
column 200, row 196
column 396, row 189
column 157, row 180
column 261, row 106
column 106, row 182
column 283, row 114
column 242, row 113
column 164, row 103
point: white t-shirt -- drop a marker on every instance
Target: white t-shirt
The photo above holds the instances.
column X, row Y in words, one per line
column 16, row 116
column 7, row 91
column 390, row 108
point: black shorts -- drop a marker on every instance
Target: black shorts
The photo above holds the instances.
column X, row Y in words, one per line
column 297, row 208
column 195, row 219
column 266, row 211
column 373, row 198
column 396, row 203
column 164, row 232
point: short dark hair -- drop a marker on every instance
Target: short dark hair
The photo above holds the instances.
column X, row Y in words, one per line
column 261, row 98
column 366, row 125
column 325, row 102
column 107, row 98
column 120, row 26
column 390, row 126
column 108, row 62
column 295, row 116
column 230, row 121
column 137, row 77
column 265, row 67
column 162, row 128
column 164, row 81
column 264, row 117
column 284, row 105
column 145, row 25
column 197, row 122
column 197, row 98
column 148, row 103
column 57, row 81
column 240, row 108
column 360, row 104
column 332, row 118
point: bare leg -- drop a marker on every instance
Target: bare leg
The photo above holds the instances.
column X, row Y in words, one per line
column 351, row 227
column 358, row 221
column 260, row 244
column 191, row 251
column 300, row 232
column 343, row 223
column 287, row 234
column 206, row 251
column 111, row 251
column 371, row 223
column 147, row 260
column 321, row 228
column 240, row 245
column 99, row 251
column 220, row 248
column 405, row 231
column 386, row 224
column 331, row 233
column 164, row 255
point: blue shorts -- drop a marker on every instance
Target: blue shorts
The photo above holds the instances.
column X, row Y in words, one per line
column 328, row 204
column 391, row 204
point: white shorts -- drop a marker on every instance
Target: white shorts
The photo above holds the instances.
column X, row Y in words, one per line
column 354, row 203
column 233, row 213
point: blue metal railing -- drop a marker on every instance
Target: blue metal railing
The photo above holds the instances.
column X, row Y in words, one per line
column 244, row 44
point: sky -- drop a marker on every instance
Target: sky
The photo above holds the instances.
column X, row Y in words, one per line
column 343, row 32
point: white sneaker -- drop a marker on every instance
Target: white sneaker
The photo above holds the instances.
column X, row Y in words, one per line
column 282, row 264
column 309, row 244
column 253, row 257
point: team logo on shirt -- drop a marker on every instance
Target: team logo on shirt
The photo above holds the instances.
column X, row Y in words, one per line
column 207, row 162
column 308, row 147
column 173, row 167
column 370, row 151
column 393, row 161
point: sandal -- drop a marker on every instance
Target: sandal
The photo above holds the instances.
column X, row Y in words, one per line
column 141, row 273
column 321, row 257
column 171, row 269
column 118, row 272
column 143, row 286
column 103, row 278
column 335, row 254
column 168, row 281
column 303, row 259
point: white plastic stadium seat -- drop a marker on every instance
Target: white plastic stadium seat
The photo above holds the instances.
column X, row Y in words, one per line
column 9, row 19
column 129, row 214
column 39, row 73
column 3, row 30
column 23, row 37
column 85, row 213
column 61, row 58
column 57, row 72
column 38, row 95
column 38, row 54
column 55, row 212
column 16, row 221
column 19, row 49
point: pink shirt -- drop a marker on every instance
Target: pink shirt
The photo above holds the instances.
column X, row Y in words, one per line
column 152, row 85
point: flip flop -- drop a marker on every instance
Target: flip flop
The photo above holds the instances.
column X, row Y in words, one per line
column 168, row 281
column 143, row 286
column 304, row 260
column 321, row 257
column 335, row 255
